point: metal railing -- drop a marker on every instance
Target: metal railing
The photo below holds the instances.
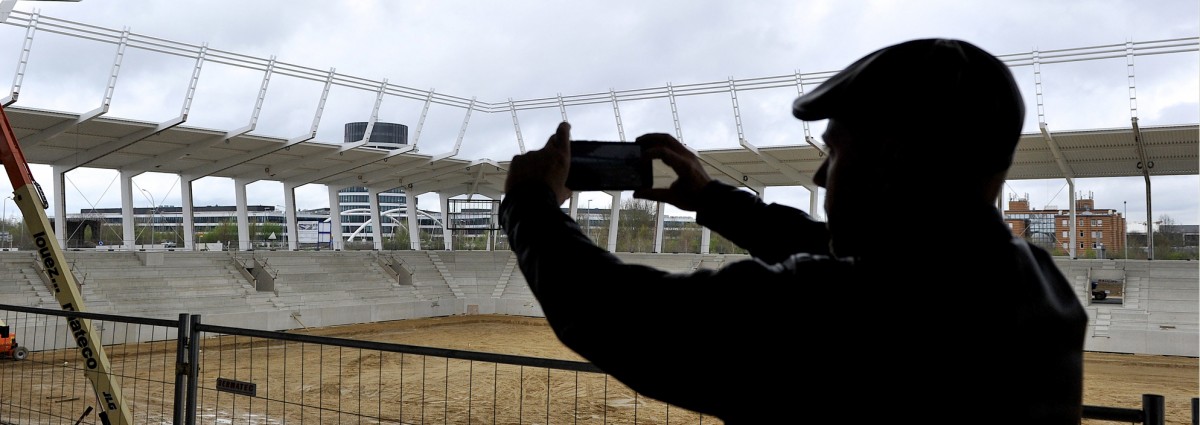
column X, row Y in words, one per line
column 237, row 375
column 188, row 372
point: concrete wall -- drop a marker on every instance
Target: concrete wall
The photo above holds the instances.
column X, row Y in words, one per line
column 1159, row 313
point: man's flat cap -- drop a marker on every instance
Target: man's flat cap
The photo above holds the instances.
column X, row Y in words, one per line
column 926, row 85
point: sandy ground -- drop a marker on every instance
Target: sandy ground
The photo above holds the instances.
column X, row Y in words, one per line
column 1111, row 379
column 293, row 377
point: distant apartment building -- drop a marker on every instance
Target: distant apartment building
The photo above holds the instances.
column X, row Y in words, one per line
column 1050, row 228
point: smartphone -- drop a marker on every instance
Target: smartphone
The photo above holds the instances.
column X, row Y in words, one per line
column 597, row 165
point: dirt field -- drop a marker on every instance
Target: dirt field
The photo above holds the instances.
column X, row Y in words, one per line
column 1111, row 379
column 293, row 377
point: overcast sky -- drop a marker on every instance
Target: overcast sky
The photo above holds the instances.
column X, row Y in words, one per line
column 530, row 49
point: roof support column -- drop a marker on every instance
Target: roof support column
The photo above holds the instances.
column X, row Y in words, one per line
column 376, row 219
column 414, row 230
column 60, row 205
column 243, row 219
column 493, row 235
column 289, row 211
column 573, row 207
column 814, row 208
column 127, row 224
column 447, row 237
column 614, row 216
column 658, row 227
column 336, row 242
column 189, row 222
column 1074, row 222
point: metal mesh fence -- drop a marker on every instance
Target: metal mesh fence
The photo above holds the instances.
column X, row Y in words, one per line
column 49, row 385
column 306, row 379
column 262, row 377
column 187, row 372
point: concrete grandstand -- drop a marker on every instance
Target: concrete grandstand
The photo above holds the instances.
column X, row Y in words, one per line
column 293, row 288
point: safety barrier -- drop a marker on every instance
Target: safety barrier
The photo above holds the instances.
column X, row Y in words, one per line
column 186, row 372
column 252, row 376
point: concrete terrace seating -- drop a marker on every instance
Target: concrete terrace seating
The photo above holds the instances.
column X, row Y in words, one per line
column 327, row 278
column 20, row 283
column 1158, row 313
column 185, row 282
column 675, row 263
column 429, row 283
column 478, row 274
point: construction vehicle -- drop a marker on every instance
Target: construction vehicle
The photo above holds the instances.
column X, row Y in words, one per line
column 8, row 344
column 28, row 195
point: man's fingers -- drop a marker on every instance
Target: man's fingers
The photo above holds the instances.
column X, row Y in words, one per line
column 562, row 137
column 670, row 157
column 661, row 140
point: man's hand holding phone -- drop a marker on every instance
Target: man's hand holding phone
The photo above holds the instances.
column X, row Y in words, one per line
column 608, row 166
column 684, row 192
column 611, row 166
column 548, row 165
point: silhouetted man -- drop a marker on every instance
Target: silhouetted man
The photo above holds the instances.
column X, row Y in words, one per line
column 912, row 302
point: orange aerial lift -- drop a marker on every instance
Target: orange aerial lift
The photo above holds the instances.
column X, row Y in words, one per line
column 8, row 344
column 29, row 197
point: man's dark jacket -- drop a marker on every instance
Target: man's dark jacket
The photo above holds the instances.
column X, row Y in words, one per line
column 950, row 320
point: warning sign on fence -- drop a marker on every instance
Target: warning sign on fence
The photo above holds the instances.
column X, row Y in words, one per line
column 237, row 387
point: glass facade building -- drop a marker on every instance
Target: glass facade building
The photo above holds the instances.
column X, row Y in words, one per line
column 354, row 203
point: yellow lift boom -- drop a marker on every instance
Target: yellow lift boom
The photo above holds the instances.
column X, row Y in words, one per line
column 29, row 197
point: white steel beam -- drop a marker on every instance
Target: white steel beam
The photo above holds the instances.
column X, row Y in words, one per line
column 24, row 59
column 807, row 131
column 204, row 144
column 272, row 171
column 462, row 132
column 421, row 122
column 454, row 187
column 209, row 169
column 617, row 114
column 325, row 173
column 441, row 171
column 1145, row 164
column 562, row 108
column 399, row 167
column 776, row 164
column 516, row 125
column 374, row 113
column 55, row 130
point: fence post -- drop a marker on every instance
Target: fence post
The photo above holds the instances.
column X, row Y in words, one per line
column 194, row 371
column 1154, row 409
column 181, row 368
column 1195, row 411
